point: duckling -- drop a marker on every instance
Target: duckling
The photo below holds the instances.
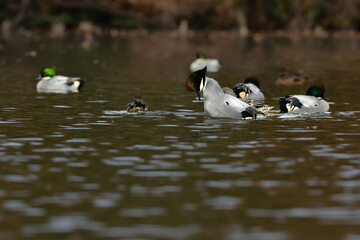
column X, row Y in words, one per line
column 217, row 104
column 287, row 78
column 213, row 65
column 250, row 89
column 137, row 104
column 312, row 102
column 50, row 82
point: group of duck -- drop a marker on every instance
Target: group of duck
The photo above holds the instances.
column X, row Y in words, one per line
column 245, row 100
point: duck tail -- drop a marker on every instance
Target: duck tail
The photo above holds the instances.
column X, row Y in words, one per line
column 250, row 112
column 282, row 102
column 80, row 83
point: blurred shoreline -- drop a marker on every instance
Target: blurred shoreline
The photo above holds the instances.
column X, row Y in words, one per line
column 37, row 34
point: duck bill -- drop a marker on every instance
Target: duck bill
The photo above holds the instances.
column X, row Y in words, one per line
column 38, row 78
column 325, row 98
column 198, row 94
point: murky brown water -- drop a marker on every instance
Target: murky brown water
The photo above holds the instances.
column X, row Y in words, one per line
column 76, row 166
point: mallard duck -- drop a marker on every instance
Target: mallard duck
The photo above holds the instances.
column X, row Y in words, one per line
column 50, row 82
column 213, row 65
column 312, row 102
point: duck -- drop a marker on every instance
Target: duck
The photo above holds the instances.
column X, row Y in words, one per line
column 50, row 82
column 313, row 101
column 259, row 105
column 287, row 78
column 249, row 89
column 137, row 104
column 217, row 104
column 201, row 61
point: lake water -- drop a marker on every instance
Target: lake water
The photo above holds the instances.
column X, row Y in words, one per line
column 76, row 166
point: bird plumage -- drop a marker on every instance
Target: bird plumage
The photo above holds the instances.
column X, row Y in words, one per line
column 50, row 82
column 213, row 65
column 314, row 101
column 137, row 104
column 249, row 89
column 217, row 104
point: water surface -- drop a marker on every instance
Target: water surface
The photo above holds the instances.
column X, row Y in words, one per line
column 76, row 166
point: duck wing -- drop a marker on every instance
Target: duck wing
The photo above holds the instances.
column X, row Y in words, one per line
column 289, row 103
column 74, row 81
column 241, row 88
column 237, row 106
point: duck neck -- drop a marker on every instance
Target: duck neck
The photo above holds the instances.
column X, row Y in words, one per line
column 211, row 89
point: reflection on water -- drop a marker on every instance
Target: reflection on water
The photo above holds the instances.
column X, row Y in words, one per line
column 77, row 166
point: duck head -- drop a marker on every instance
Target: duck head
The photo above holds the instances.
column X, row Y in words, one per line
column 200, row 55
column 46, row 72
column 254, row 80
column 196, row 81
column 317, row 90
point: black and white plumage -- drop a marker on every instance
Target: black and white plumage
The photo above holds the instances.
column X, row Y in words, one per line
column 217, row 104
column 59, row 84
column 314, row 101
column 249, row 89
column 51, row 83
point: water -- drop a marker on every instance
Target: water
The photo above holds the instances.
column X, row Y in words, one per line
column 76, row 166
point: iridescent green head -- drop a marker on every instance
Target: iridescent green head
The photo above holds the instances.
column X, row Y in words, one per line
column 317, row 90
column 200, row 55
column 47, row 72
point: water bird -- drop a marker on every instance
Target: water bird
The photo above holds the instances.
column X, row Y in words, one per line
column 312, row 102
column 288, row 78
column 249, row 89
column 260, row 105
column 137, row 104
column 50, row 82
column 213, row 65
column 217, row 104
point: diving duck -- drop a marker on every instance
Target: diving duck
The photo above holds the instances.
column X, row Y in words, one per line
column 137, row 104
column 213, row 65
column 250, row 89
column 217, row 104
column 50, row 82
column 287, row 78
column 312, row 102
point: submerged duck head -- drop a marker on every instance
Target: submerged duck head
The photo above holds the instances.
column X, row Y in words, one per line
column 196, row 81
column 46, row 72
column 317, row 90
